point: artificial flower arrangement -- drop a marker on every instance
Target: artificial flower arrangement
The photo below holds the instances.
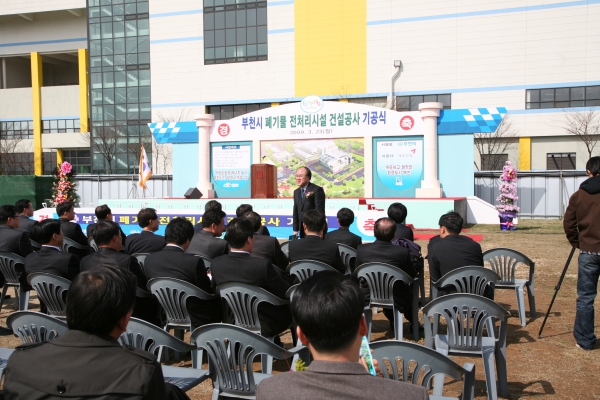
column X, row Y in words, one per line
column 64, row 186
column 507, row 209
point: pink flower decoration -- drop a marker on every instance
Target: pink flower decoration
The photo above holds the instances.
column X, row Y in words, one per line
column 66, row 167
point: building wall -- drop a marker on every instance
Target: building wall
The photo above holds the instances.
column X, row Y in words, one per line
column 60, row 102
column 49, row 32
column 37, row 6
column 16, row 104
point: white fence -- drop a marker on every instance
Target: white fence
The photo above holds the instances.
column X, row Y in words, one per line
column 543, row 194
column 91, row 188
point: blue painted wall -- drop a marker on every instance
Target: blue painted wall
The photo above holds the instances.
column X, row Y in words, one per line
column 455, row 165
column 185, row 167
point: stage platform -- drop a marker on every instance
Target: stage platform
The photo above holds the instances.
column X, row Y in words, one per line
column 276, row 213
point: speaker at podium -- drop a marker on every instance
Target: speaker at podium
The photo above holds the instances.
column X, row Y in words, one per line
column 263, row 181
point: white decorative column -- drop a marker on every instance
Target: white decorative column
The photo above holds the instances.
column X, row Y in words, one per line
column 204, row 122
column 430, row 186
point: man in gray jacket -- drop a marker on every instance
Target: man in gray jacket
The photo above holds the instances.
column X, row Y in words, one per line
column 333, row 334
column 87, row 362
column 582, row 227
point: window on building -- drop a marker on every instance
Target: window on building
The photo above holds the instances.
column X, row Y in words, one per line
column 581, row 96
column 560, row 161
column 22, row 163
column 60, row 125
column 119, row 60
column 493, row 162
column 16, row 130
column 235, row 110
column 411, row 103
column 234, row 31
column 80, row 159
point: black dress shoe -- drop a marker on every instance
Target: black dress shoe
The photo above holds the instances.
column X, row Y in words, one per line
column 277, row 341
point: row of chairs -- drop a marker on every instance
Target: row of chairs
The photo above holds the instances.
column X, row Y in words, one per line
column 232, row 350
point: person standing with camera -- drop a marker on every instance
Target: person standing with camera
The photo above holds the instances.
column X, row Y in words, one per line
column 582, row 227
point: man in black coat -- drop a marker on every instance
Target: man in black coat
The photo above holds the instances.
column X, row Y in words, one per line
column 313, row 247
column 147, row 241
column 343, row 235
column 71, row 230
column 450, row 250
column 173, row 262
column 307, row 197
column 87, row 361
column 242, row 210
column 266, row 246
column 13, row 240
column 238, row 266
column 103, row 212
column 209, row 205
column 25, row 210
column 50, row 259
column 383, row 251
column 108, row 239
column 398, row 212
column 208, row 242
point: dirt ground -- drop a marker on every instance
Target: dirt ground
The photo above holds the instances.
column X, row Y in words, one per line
column 550, row 367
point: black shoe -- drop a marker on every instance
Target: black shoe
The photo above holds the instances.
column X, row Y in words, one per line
column 8, row 296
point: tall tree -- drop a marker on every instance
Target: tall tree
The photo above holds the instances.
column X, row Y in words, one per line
column 492, row 145
column 586, row 126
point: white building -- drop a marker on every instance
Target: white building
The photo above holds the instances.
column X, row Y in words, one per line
column 135, row 61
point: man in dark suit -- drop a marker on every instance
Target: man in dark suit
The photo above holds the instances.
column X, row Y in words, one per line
column 333, row 335
column 173, row 262
column 13, row 240
column 343, row 235
column 307, row 197
column 398, row 212
column 238, row 266
column 50, row 259
column 103, row 213
column 87, row 361
column 108, row 239
column 209, row 205
column 147, row 241
column 313, row 247
column 71, row 230
column 25, row 210
column 266, row 246
column 242, row 210
column 208, row 242
column 383, row 251
column 450, row 250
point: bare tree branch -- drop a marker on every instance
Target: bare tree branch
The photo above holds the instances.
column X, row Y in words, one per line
column 12, row 159
column 495, row 143
column 586, row 126
column 103, row 140
column 162, row 153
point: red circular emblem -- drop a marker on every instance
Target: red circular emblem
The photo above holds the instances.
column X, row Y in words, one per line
column 224, row 130
column 407, row 122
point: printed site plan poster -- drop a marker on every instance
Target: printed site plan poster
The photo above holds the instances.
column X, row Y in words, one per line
column 230, row 169
column 398, row 165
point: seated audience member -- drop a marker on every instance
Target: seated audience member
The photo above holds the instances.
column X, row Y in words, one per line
column 397, row 212
column 147, row 241
column 345, row 217
column 25, row 211
column 11, row 239
column 266, row 246
column 208, row 242
column 312, row 247
column 87, row 361
column 328, row 309
column 71, row 230
column 244, row 209
column 209, row 205
column 383, row 251
column 450, row 250
column 238, row 266
column 103, row 213
column 50, row 259
column 108, row 239
column 173, row 262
